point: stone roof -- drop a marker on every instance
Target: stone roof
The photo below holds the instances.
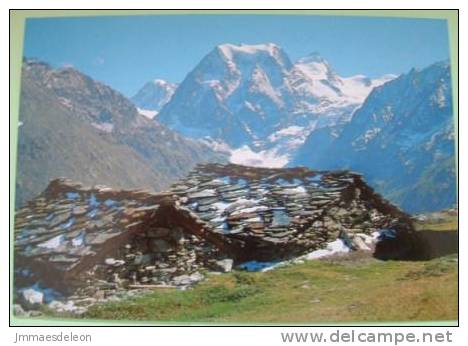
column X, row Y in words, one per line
column 275, row 213
column 58, row 232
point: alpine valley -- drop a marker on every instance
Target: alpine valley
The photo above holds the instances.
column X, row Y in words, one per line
column 255, row 105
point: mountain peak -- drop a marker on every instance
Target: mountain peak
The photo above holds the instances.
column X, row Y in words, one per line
column 154, row 95
column 229, row 49
column 232, row 52
column 314, row 57
column 160, row 82
column 316, row 66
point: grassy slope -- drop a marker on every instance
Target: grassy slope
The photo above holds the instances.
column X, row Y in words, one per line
column 356, row 288
column 316, row 291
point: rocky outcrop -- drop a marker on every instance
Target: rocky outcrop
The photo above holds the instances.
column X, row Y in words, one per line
column 94, row 242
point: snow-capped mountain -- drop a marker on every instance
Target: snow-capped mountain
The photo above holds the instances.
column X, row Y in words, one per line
column 252, row 101
column 236, row 95
column 153, row 96
column 401, row 139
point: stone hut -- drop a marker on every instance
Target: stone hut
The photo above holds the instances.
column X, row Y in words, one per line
column 72, row 236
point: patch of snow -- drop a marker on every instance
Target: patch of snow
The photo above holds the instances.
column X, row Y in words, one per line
column 149, row 113
column 288, row 132
column 438, row 97
column 264, row 158
column 78, row 240
column 229, row 50
column 384, row 79
column 239, row 203
column 250, row 210
column 357, row 88
column 160, row 82
column 203, row 193
column 216, row 145
column 300, row 190
column 218, row 219
column 114, row 262
column 251, row 107
column 320, row 89
column 221, row 206
column 313, row 66
column 53, row 243
column 104, row 127
column 35, row 294
column 32, row 296
column 334, row 247
column 387, row 114
column 366, row 137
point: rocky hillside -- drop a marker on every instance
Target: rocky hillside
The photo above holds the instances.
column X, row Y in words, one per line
column 401, row 139
column 73, row 126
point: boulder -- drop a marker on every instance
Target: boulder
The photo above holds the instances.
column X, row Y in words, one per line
column 182, row 280
column 114, row 262
column 224, row 265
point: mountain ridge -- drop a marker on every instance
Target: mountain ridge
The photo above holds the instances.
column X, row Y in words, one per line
column 401, row 139
column 73, row 126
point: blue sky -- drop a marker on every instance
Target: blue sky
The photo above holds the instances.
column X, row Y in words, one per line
column 125, row 52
